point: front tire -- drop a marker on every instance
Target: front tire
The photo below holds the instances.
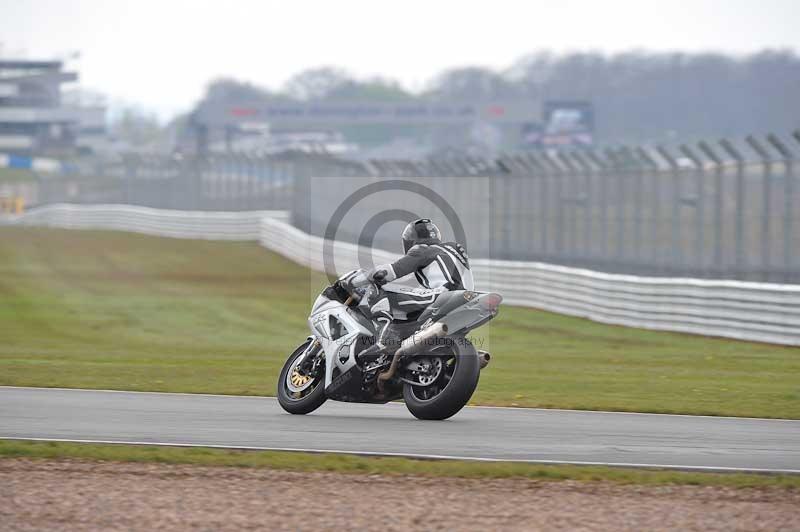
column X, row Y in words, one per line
column 456, row 391
column 307, row 400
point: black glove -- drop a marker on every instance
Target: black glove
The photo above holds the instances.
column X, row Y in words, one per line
column 379, row 277
column 338, row 291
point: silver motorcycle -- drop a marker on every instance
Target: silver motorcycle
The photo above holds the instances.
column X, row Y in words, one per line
column 435, row 370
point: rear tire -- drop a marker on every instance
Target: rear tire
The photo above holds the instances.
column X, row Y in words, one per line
column 295, row 403
column 456, row 393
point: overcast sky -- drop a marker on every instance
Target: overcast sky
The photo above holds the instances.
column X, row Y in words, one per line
column 160, row 54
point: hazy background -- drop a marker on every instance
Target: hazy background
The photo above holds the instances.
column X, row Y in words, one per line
column 161, row 54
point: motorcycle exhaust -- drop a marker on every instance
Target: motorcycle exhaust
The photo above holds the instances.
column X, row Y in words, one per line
column 418, row 340
column 411, row 345
column 483, row 358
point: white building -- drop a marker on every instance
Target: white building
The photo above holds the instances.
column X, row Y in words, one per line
column 33, row 119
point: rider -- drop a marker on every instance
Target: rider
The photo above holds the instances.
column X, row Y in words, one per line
column 436, row 267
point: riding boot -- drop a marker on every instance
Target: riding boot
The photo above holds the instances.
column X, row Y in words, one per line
column 387, row 343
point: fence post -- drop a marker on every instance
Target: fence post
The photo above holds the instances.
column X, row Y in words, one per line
column 586, row 202
column 647, row 163
column 788, row 205
column 617, row 166
column 699, row 207
column 432, row 168
column 505, row 178
column 524, row 216
column 634, row 168
column 232, row 180
column 675, row 214
column 523, row 166
column 739, row 210
column 210, row 180
column 236, row 175
column 175, row 165
column 766, row 206
column 241, row 181
column 256, row 183
column 603, row 166
column 557, row 173
column 223, row 199
column 540, row 172
column 248, row 175
column 442, row 168
column 718, row 205
column 571, row 229
column 435, row 169
column 260, row 182
column 455, row 167
column 131, row 168
column 469, row 165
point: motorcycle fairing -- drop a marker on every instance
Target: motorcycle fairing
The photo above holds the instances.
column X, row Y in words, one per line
column 462, row 310
column 328, row 316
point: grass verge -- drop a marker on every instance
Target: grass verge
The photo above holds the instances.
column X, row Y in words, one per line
column 343, row 463
column 91, row 309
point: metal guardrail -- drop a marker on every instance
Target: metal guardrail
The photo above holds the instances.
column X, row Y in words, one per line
column 764, row 312
column 243, row 226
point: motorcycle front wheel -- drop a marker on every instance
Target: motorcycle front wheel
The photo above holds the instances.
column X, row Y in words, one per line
column 453, row 387
column 298, row 393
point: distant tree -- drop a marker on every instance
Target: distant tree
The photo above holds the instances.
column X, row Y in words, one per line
column 374, row 89
column 637, row 95
column 472, row 83
column 316, row 83
column 231, row 90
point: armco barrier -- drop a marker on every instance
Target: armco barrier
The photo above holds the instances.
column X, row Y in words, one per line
column 760, row 312
column 157, row 222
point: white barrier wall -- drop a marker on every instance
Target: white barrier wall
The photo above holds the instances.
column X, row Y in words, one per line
column 761, row 312
column 748, row 311
column 156, row 222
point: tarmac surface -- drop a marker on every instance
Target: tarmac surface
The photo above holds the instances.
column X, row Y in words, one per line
column 482, row 433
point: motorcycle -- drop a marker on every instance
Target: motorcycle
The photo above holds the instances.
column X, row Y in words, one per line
column 435, row 370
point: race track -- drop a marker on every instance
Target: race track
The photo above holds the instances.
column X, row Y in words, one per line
column 535, row 435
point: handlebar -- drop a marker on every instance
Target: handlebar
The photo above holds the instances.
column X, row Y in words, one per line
column 377, row 280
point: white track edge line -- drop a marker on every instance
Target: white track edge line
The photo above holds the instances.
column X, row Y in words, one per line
column 420, row 456
column 512, row 408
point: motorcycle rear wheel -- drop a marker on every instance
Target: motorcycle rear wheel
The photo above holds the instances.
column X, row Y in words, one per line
column 307, row 400
column 456, row 385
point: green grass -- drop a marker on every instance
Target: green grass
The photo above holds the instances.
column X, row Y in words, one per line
column 112, row 310
column 342, row 463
